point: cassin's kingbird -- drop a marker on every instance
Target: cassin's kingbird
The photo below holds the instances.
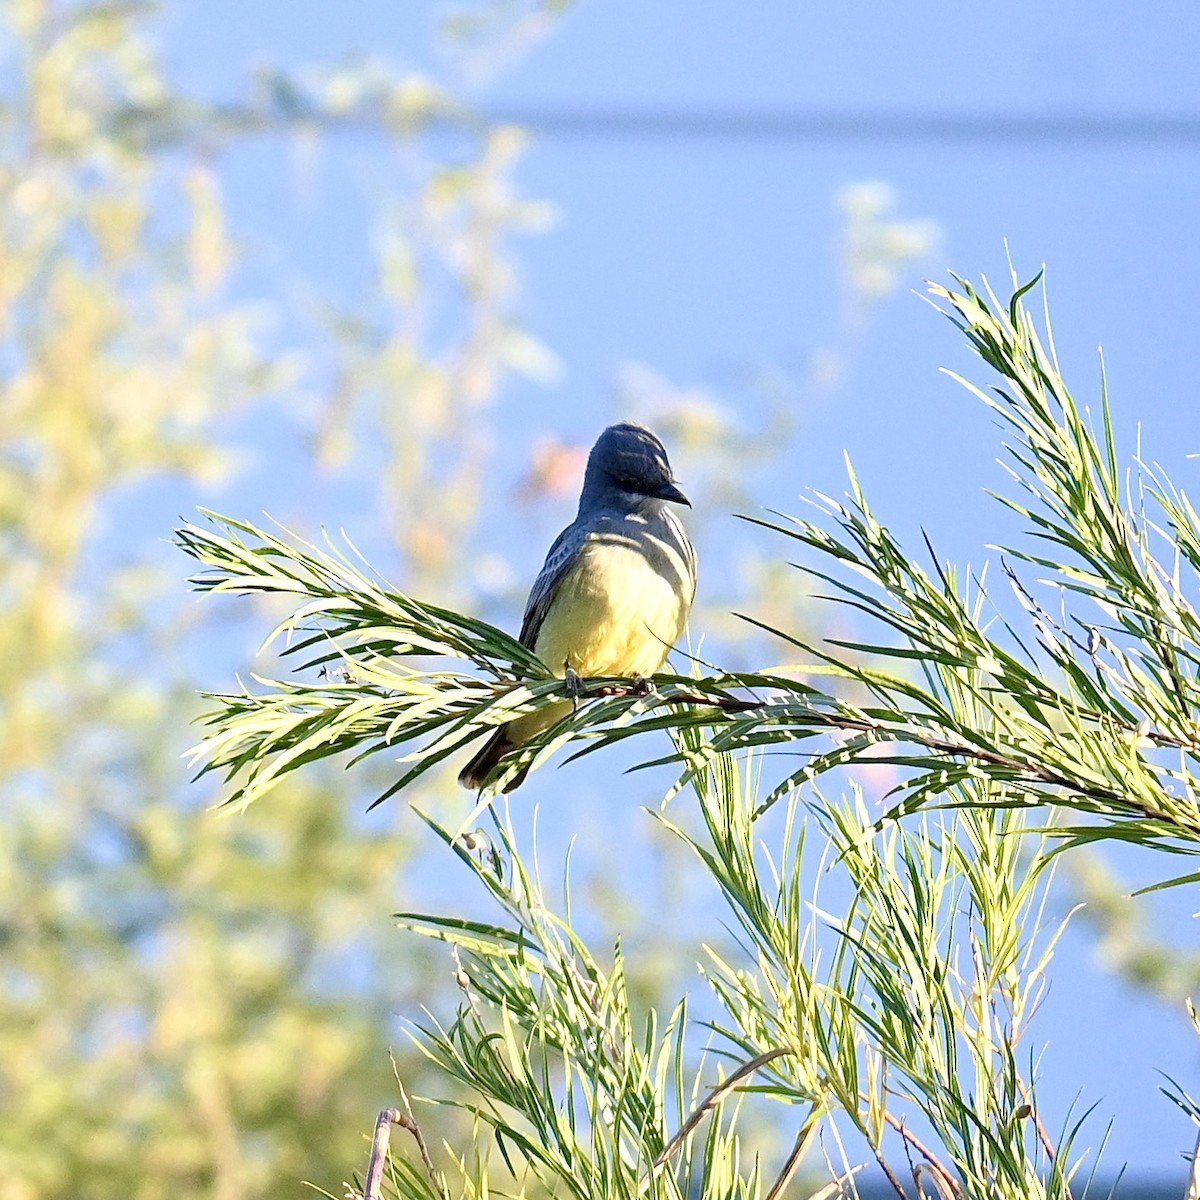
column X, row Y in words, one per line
column 616, row 587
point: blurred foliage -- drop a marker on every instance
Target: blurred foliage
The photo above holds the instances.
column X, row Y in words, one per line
column 1129, row 936
column 190, row 1005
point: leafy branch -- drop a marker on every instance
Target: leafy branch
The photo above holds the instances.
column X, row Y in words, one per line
column 1093, row 712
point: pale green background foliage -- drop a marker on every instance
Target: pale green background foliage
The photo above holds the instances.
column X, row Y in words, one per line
column 189, row 1005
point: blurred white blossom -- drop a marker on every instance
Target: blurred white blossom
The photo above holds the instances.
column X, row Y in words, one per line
column 878, row 247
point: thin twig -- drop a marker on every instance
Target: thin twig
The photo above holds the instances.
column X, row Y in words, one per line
column 407, row 1121
column 944, row 1190
column 1043, row 1134
column 713, row 1099
column 1031, row 771
column 609, row 690
column 379, row 1150
column 848, row 1172
column 804, row 1139
column 911, row 1138
column 913, row 1168
column 886, row 1168
column 837, row 1186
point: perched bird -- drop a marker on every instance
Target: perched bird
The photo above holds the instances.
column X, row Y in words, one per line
column 616, row 588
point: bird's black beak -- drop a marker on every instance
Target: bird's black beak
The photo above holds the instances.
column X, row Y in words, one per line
column 669, row 491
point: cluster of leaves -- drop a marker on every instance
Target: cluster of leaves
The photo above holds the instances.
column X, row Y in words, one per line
column 936, row 968
column 573, row 1093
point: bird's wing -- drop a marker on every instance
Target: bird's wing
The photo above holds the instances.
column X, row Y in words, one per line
column 558, row 562
column 684, row 544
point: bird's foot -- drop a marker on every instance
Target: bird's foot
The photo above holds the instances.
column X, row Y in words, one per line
column 643, row 685
column 574, row 686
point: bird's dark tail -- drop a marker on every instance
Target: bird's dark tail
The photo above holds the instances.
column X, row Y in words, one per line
column 480, row 767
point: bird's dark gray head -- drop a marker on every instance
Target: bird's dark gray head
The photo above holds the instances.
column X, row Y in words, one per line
column 628, row 464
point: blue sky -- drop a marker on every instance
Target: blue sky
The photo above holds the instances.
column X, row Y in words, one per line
column 702, row 257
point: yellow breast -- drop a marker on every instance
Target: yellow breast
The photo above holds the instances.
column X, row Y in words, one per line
column 619, row 610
